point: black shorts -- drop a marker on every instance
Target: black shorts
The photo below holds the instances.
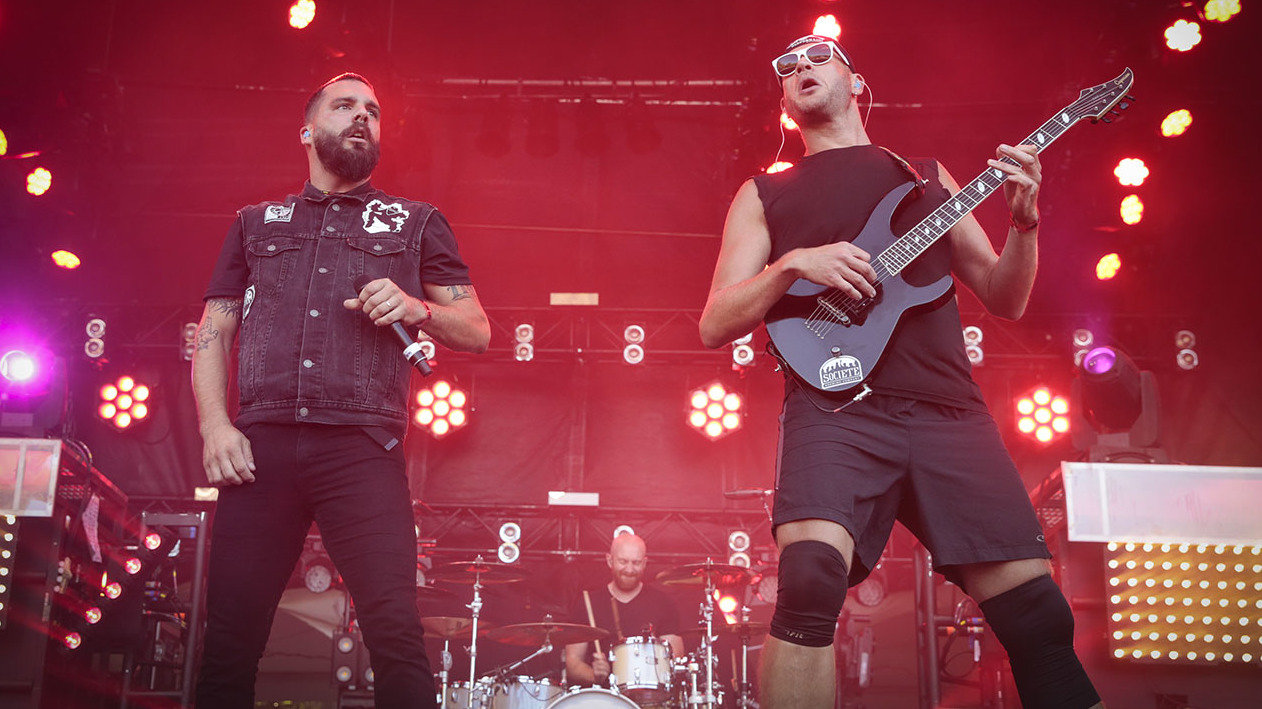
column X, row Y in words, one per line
column 941, row 471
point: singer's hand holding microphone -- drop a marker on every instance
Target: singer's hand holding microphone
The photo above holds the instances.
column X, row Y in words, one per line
column 387, row 304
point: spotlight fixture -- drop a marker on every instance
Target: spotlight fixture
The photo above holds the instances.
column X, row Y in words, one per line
column 973, row 345
column 441, row 408
column 1042, row 415
column 738, row 544
column 318, row 574
column 124, row 402
column 188, row 336
column 508, row 553
column 510, row 532
column 524, row 349
column 743, row 351
column 622, row 529
column 1116, row 409
column 94, row 346
column 1186, row 357
column 633, row 351
column 714, row 411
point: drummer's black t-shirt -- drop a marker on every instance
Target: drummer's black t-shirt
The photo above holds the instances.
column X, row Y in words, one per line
column 652, row 613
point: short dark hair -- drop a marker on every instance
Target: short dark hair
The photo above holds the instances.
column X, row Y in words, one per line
column 314, row 99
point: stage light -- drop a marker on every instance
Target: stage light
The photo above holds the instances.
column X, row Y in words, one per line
column 1131, row 209
column 8, row 547
column 1183, row 602
column 508, row 553
column 1221, row 10
column 94, row 346
column 1131, row 172
column 1108, row 266
column 524, row 349
column 301, row 13
column 318, row 574
column 623, row 529
column 738, row 544
column 727, row 603
column 973, row 337
column 1042, row 415
column 1111, row 389
column 743, row 351
column 714, row 411
column 65, row 259
column 827, row 26
column 39, row 181
column 871, row 591
column 18, row 366
column 1176, row 123
column 4, row 143
column 188, row 337
column 778, row 166
column 510, row 532
column 788, row 123
column 1183, row 35
column 1185, row 344
column 123, row 402
column 633, row 349
column 441, row 408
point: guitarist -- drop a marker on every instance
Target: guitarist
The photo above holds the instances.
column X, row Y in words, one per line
column 923, row 447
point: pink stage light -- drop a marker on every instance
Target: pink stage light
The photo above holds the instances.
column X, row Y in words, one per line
column 441, row 408
column 1221, row 10
column 827, row 26
column 1108, row 266
column 1131, row 172
column 1042, row 415
column 66, row 259
column 124, row 402
column 779, row 166
column 1132, row 209
column 714, row 411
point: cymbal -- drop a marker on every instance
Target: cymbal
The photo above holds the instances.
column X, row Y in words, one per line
column 698, row 574
column 446, row 627
column 536, row 633
column 748, row 630
column 483, row 571
column 427, row 592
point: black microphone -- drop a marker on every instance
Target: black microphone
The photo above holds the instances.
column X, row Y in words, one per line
column 747, row 494
column 411, row 349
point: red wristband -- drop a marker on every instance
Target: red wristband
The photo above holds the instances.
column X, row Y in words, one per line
column 1023, row 227
column 429, row 313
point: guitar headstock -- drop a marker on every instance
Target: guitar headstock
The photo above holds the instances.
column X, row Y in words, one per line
column 1102, row 101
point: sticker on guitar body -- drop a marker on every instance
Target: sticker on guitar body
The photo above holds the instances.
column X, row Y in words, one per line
column 840, row 372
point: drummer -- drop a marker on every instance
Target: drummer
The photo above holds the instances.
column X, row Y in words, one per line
column 625, row 607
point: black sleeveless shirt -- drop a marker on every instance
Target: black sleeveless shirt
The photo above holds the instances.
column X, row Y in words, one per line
column 828, row 197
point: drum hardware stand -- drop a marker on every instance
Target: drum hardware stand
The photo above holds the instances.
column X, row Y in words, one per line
column 745, row 692
column 476, row 607
column 446, row 669
column 707, row 644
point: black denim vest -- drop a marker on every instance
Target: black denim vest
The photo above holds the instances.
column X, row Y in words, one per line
column 304, row 357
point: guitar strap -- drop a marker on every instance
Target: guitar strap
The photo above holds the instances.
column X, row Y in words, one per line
column 915, row 176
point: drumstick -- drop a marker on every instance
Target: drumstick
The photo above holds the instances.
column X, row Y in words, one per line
column 617, row 623
column 591, row 619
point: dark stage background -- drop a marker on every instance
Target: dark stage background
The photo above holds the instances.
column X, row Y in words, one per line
column 593, row 147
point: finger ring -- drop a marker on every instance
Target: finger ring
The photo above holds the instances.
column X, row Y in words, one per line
column 388, row 305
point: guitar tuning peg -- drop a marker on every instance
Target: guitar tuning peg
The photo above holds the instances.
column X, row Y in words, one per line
column 1123, row 106
column 1107, row 119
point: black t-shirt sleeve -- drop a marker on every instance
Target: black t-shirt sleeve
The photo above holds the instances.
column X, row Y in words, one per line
column 440, row 258
column 231, row 275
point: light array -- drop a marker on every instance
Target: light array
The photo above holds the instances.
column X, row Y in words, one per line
column 714, row 411
column 441, row 408
column 124, row 402
column 8, row 549
column 1042, row 415
column 1184, row 602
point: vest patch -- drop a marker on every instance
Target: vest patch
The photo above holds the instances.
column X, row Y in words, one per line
column 380, row 217
column 278, row 213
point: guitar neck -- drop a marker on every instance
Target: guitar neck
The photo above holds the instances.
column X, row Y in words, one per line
column 918, row 240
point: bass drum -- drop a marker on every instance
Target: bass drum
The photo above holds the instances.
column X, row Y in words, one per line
column 592, row 698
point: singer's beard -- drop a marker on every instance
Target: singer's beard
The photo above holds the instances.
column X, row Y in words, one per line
column 351, row 164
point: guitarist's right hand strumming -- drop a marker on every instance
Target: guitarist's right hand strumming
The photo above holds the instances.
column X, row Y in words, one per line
column 842, row 266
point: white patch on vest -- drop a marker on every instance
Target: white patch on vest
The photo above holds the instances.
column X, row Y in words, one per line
column 278, row 213
column 381, row 217
column 245, row 305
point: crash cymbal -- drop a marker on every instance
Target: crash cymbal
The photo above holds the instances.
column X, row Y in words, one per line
column 698, row 574
column 447, row 628
column 478, row 570
column 535, row 633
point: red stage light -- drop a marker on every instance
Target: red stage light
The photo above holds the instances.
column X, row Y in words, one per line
column 779, row 166
column 4, row 143
column 1176, row 123
column 112, row 589
column 92, row 615
column 72, row 640
column 714, row 411
column 1108, row 266
column 124, row 402
column 788, row 123
column 1183, row 35
column 1221, row 10
column 1131, row 171
column 39, row 181
column 728, row 604
column 441, row 408
column 153, row 540
column 1132, row 209
column 301, row 13
column 132, row 566
column 66, row 259
column 827, row 26
column 1042, row 415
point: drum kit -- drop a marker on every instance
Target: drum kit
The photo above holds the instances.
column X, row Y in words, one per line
column 644, row 673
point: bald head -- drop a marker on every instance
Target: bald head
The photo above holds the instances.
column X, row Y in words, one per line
column 626, row 558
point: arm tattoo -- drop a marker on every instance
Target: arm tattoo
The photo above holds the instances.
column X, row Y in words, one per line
column 206, row 334
column 460, row 292
column 227, row 306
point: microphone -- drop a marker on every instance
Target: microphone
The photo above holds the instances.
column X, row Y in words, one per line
column 748, row 494
column 412, row 351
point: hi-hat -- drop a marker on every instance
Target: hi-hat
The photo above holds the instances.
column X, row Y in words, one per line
column 477, row 571
column 447, row 628
column 556, row 633
column 740, row 630
column 707, row 573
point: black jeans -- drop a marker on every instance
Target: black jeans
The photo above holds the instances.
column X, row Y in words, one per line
column 357, row 493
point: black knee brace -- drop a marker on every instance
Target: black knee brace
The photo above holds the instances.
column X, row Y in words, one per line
column 1036, row 627
column 812, row 584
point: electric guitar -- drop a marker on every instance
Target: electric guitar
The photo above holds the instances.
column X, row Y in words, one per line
column 834, row 343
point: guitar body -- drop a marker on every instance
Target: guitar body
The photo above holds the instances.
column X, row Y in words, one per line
column 831, row 355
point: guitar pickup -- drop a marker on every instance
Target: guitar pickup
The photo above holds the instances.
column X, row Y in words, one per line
column 837, row 313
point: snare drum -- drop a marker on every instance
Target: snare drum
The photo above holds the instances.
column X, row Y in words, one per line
column 524, row 693
column 459, row 696
column 641, row 669
column 592, row 698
